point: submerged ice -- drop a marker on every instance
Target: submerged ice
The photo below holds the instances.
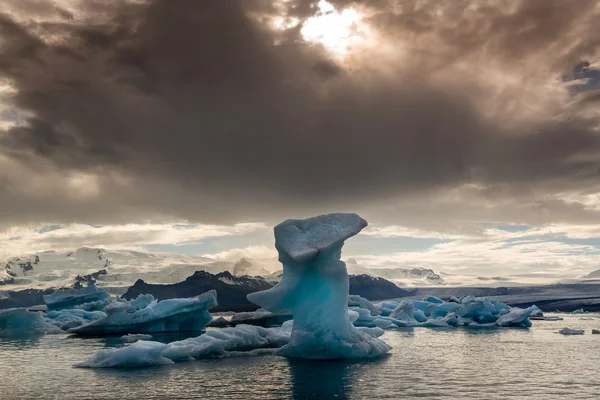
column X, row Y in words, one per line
column 314, row 289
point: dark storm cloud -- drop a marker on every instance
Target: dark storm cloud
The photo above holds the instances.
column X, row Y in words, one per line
column 198, row 110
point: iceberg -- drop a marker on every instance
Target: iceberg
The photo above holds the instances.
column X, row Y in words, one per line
column 70, row 298
column 227, row 342
column 433, row 312
column 314, row 289
column 19, row 322
column 147, row 315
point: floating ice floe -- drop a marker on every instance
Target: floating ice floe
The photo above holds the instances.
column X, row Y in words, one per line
column 70, row 298
column 314, row 289
column 595, row 331
column 227, row 342
column 19, row 322
column 259, row 317
column 569, row 331
column 147, row 315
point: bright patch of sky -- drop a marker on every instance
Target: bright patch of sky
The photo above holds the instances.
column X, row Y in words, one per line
column 491, row 250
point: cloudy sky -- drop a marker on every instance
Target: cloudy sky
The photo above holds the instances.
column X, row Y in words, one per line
column 466, row 132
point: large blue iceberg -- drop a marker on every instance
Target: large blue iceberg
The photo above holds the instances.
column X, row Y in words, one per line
column 314, row 289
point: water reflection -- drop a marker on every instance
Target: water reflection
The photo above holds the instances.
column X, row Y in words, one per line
column 326, row 379
column 21, row 341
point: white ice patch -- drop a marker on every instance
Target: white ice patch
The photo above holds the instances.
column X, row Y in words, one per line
column 134, row 337
column 227, row 342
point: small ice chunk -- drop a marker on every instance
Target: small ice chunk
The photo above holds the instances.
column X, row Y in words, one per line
column 569, row 331
column 405, row 312
column 383, row 323
column 517, row 317
column 595, row 331
column 355, row 300
column 140, row 354
column 536, row 312
column 134, row 337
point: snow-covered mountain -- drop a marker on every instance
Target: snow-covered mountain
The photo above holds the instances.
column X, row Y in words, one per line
column 410, row 277
column 251, row 267
column 117, row 268
column 58, row 269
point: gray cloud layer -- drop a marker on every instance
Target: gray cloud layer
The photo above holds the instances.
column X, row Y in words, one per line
column 198, row 110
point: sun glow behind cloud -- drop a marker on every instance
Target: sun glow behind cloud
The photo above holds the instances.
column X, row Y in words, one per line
column 338, row 31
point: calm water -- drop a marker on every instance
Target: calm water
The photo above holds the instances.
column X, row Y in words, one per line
column 425, row 363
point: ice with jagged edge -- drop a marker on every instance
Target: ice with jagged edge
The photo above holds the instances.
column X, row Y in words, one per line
column 314, row 288
column 20, row 322
column 64, row 299
column 226, row 342
column 433, row 312
column 147, row 315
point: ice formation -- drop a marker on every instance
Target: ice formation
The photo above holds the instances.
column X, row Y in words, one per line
column 569, row 331
column 226, row 342
column 68, row 299
column 434, row 312
column 314, row 288
column 19, row 322
column 595, row 331
column 146, row 315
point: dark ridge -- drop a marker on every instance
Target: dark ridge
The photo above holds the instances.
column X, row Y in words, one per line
column 231, row 290
column 374, row 289
column 87, row 280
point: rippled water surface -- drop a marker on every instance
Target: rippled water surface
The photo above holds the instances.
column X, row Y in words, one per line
column 534, row 363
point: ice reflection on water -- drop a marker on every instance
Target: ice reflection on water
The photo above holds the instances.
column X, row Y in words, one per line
column 425, row 363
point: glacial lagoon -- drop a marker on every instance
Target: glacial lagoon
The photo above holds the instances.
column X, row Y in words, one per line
column 429, row 363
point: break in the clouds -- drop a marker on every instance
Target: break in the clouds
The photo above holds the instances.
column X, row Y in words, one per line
column 434, row 116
